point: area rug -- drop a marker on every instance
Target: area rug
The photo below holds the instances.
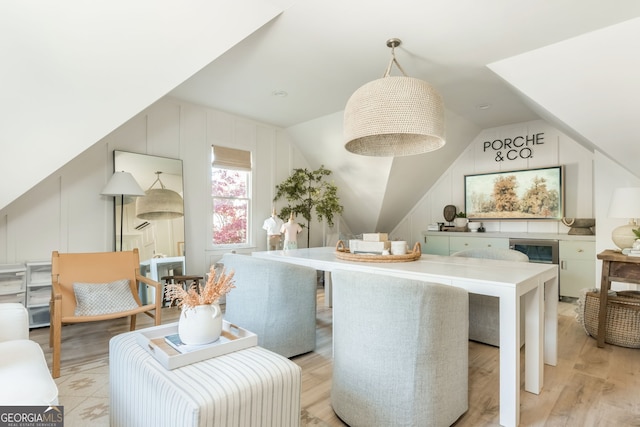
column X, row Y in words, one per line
column 84, row 394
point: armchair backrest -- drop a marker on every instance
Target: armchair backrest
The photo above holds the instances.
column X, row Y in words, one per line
column 14, row 322
column 93, row 267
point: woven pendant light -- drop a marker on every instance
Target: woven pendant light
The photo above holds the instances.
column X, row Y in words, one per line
column 394, row 116
column 159, row 203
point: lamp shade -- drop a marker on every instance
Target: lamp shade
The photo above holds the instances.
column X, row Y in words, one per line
column 122, row 184
column 394, row 116
column 159, row 203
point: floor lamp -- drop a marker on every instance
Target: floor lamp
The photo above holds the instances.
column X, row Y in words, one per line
column 122, row 184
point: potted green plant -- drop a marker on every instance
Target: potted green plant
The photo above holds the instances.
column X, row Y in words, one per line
column 307, row 192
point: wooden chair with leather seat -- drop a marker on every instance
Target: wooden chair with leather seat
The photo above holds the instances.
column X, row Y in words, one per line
column 89, row 287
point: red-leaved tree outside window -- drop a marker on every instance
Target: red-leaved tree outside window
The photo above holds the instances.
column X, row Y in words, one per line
column 231, row 205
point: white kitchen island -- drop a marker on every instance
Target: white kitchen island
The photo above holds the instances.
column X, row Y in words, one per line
column 535, row 284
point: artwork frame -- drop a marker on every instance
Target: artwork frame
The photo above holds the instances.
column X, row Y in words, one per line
column 524, row 194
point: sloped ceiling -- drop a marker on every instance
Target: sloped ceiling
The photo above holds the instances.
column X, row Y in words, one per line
column 587, row 85
column 73, row 71
column 77, row 70
column 319, row 53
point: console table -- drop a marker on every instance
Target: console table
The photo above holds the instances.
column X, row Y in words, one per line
column 616, row 267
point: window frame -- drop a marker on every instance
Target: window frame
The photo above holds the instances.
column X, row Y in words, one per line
column 249, row 200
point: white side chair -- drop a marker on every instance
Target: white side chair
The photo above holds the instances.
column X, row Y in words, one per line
column 274, row 300
column 400, row 351
column 484, row 310
column 23, row 369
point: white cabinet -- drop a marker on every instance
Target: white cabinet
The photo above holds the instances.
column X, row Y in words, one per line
column 436, row 245
column 12, row 283
column 462, row 243
column 38, row 293
column 446, row 245
column 577, row 267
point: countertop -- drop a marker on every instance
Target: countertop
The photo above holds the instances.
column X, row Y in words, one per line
column 512, row 235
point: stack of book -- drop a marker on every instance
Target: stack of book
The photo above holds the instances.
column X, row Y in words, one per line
column 371, row 243
column 633, row 252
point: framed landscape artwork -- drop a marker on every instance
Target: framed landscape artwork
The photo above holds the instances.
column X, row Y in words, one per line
column 530, row 194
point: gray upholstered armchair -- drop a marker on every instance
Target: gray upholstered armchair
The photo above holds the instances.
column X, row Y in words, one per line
column 484, row 310
column 400, row 351
column 274, row 300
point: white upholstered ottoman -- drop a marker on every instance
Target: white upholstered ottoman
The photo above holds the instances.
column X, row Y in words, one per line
column 251, row 387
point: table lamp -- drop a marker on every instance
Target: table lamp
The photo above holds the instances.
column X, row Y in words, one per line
column 122, row 184
column 625, row 203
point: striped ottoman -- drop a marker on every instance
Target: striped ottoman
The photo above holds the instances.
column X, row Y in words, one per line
column 251, row 387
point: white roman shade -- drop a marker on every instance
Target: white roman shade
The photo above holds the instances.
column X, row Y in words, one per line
column 231, row 158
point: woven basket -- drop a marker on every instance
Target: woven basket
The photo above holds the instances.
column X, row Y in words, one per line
column 623, row 316
column 343, row 253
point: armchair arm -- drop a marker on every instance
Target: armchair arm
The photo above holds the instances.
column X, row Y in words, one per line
column 147, row 281
column 14, row 322
column 159, row 290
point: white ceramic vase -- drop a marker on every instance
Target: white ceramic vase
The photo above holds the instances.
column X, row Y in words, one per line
column 201, row 324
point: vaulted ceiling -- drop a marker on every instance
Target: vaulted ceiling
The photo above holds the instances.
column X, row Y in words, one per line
column 73, row 79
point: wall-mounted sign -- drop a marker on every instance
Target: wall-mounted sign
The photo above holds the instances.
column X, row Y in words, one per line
column 520, row 147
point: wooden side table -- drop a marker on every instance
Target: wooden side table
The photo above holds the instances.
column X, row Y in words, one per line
column 616, row 267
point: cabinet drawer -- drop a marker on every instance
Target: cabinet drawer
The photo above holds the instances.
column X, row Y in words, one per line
column 463, row 242
column 12, row 298
column 436, row 245
column 577, row 250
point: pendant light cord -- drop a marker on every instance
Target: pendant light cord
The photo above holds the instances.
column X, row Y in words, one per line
column 393, row 61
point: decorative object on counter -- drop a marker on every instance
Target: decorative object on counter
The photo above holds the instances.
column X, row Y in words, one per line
column 474, row 226
column 201, row 319
column 461, row 221
column 449, row 213
column 394, row 115
column 481, row 229
column 371, row 243
column 343, row 253
column 580, row 226
column 625, row 203
column 399, row 247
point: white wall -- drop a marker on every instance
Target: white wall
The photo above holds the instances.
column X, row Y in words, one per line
column 556, row 149
column 66, row 212
column 608, row 176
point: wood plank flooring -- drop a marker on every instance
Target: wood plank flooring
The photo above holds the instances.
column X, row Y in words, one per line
column 591, row 386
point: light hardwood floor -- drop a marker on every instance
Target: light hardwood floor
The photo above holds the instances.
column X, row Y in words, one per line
column 589, row 387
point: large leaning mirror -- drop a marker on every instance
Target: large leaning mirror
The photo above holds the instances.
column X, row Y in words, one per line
column 153, row 223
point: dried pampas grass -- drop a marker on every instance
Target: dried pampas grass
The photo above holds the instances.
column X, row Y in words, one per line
column 216, row 287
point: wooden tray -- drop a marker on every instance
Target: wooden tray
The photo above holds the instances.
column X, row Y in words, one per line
column 343, row 253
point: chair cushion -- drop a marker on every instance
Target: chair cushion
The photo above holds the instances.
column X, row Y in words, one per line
column 94, row 299
column 25, row 376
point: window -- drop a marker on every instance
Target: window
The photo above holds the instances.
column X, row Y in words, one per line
column 231, row 195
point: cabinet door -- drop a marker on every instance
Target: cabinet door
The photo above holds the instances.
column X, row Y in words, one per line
column 436, row 245
column 577, row 267
column 466, row 242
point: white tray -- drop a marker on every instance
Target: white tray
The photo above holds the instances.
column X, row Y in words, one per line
column 152, row 340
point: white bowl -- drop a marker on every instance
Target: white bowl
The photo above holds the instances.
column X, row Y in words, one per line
column 473, row 226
